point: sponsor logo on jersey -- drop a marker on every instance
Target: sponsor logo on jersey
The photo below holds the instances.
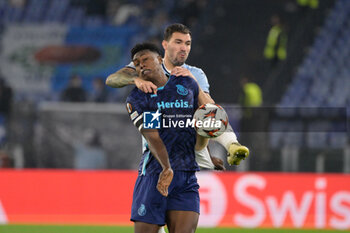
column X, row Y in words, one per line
column 174, row 104
column 181, row 90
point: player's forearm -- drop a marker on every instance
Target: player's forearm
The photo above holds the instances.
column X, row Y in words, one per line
column 204, row 98
column 121, row 78
column 161, row 155
column 157, row 148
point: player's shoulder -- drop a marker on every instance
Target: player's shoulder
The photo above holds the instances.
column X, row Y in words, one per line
column 185, row 81
column 193, row 68
column 135, row 94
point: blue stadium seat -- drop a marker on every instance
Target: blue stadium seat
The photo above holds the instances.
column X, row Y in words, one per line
column 56, row 11
column 94, row 21
column 322, row 76
column 75, row 16
column 12, row 14
column 35, row 10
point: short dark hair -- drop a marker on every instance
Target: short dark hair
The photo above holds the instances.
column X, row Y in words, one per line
column 145, row 46
column 176, row 27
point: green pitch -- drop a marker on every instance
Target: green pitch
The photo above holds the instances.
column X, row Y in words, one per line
column 119, row 229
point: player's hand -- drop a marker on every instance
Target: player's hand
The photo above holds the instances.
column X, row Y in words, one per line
column 180, row 71
column 218, row 163
column 145, row 86
column 165, row 178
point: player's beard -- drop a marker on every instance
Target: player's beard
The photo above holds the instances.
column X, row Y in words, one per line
column 179, row 61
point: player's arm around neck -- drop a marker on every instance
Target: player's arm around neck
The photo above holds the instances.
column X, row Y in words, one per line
column 128, row 76
column 159, row 151
column 121, row 78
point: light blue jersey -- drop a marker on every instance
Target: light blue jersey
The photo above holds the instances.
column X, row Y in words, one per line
column 197, row 73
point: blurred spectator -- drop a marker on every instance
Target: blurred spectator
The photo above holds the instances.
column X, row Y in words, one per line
column 99, row 92
column 90, row 154
column 5, row 161
column 276, row 42
column 5, row 98
column 313, row 4
column 251, row 94
column 253, row 123
column 74, row 92
column 250, row 99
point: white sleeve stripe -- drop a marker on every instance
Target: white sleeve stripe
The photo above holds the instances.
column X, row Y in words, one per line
column 140, row 127
column 137, row 119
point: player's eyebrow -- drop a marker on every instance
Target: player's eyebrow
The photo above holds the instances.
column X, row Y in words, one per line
column 186, row 42
column 138, row 55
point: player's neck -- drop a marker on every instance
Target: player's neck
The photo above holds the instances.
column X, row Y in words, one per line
column 168, row 65
column 161, row 80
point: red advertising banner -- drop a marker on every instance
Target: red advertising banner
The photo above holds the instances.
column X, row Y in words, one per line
column 66, row 196
column 275, row 200
column 280, row 200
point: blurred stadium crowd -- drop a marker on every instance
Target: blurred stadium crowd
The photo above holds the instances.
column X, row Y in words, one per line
column 56, row 111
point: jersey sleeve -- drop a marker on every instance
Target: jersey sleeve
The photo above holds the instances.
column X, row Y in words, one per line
column 201, row 79
column 135, row 108
column 131, row 65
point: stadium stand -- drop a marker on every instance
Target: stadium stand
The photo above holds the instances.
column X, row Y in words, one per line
column 33, row 32
column 321, row 83
column 315, row 73
column 322, row 77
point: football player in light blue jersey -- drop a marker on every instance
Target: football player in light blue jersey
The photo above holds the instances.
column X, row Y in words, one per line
column 177, row 45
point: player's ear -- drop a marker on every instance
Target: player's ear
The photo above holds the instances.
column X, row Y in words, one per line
column 160, row 59
column 164, row 44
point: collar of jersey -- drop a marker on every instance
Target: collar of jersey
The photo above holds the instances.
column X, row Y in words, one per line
column 162, row 87
column 167, row 73
column 166, row 70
